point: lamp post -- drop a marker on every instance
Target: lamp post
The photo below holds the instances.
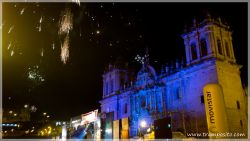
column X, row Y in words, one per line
column 143, row 124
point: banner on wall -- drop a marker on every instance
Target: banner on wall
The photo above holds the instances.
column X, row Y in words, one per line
column 215, row 109
column 125, row 128
column 116, row 129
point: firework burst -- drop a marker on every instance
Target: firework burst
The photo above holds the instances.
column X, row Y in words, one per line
column 65, row 26
column 140, row 59
column 35, row 75
column 33, row 108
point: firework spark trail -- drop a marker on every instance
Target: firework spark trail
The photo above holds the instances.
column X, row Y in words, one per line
column 65, row 50
column 41, row 19
column 42, row 52
column 53, row 45
column 66, row 22
column 11, row 28
column 9, row 45
column 39, row 28
column 65, row 26
column 22, row 11
column 77, row 2
column 40, row 24
column 12, row 53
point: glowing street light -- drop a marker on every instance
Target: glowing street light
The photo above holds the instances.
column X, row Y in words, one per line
column 26, row 106
column 148, row 130
column 42, row 133
column 98, row 32
column 44, row 114
column 109, row 131
column 143, row 123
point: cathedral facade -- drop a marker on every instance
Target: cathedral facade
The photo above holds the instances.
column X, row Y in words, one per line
column 178, row 91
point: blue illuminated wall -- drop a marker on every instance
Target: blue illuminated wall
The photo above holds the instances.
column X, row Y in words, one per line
column 178, row 91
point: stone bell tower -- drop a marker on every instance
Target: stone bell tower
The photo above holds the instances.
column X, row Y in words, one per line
column 208, row 39
column 211, row 41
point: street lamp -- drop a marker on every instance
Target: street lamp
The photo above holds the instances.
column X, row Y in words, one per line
column 143, row 123
column 26, row 106
column 148, row 130
column 109, row 131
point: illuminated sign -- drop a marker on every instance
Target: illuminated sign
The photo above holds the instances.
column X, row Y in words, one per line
column 215, row 109
column 89, row 117
column 210, row 107
column 75, row 121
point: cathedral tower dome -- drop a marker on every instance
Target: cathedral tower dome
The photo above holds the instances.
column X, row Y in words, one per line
column 149, row 70
column 147, row 74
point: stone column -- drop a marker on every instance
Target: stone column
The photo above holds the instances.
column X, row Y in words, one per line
column 198, row 46
column 187, row 50
column 231, row 48
column 210, row 44
column 215, row 48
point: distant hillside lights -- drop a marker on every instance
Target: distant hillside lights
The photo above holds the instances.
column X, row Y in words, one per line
column 9, row 125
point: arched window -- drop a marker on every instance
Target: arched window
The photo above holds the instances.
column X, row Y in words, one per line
column 220, row 49
column 227, row 49
column 193, row 51
column 203, row 47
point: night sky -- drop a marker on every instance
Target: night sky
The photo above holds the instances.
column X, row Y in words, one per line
column 34, row 74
